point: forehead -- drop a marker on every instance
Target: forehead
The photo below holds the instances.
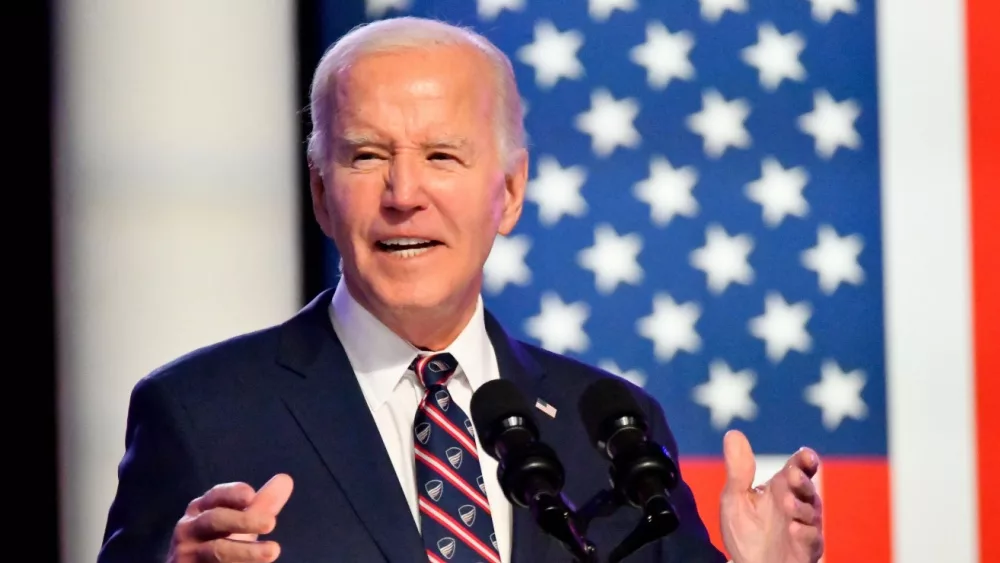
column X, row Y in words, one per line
column 416, row 89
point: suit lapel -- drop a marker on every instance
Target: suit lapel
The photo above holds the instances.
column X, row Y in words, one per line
column 528, row 543
column 330, row 408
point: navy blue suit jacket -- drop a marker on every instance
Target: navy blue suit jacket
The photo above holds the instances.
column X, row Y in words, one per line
column 285, row 399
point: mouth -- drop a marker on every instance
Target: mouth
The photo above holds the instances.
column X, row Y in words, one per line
column 406, row 247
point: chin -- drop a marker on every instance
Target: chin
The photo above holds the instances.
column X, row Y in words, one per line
column 411, row 296
column 423, row 290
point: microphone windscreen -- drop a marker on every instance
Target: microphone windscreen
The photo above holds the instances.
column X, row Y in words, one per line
column 493, row 402
column 603, row 400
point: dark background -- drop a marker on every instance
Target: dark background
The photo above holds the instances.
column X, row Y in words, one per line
column 31, row 489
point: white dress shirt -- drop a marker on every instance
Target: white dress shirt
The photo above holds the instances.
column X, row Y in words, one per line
column 381, row 359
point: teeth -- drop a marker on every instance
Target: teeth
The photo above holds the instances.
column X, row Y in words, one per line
column 409, row 252
column 404, row 241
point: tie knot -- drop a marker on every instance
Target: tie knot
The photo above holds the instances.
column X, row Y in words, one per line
column 434, row 369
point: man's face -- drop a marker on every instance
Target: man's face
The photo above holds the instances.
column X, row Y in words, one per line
column 415, row 190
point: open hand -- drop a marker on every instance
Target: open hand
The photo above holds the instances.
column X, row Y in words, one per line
column 222, row 525
column 777, row 522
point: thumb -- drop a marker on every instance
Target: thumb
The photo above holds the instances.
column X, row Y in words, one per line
column 740, row 464
column 271, row 498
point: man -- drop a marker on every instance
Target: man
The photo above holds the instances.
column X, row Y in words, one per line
column 360, row 402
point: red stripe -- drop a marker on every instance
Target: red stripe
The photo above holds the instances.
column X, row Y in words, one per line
column 433, row 558
column 856, row 513
column 460, row 435
column 454, row 478
column 705, row 477
column 428, row 508
column 856, row 505
column 420, row 367
column 984, row 170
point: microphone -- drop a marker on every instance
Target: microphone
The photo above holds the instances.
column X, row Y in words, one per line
column 529, row 470
column 642, row 472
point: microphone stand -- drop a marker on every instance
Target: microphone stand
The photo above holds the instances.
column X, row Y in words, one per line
column 532, row 478
column 658, row 520
column 556, row 517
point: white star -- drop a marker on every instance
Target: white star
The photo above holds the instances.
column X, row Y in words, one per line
column 824, row 10
column 720, row 123
column 838, row 394
column 835, row 259
column 609, row 122
column 667, row 191
column 724, row 258
column 559, row 326
column 775, row 56
column 671, row 327
column 633, row 376
column 613, row 258
column 831, row 124
column 378, row 8
column 556, row 191
column 782, row 327
column 727, row 394
column 600, row 10
column 664, row 55
column 779, row 191
column 712, row 10
column 490, row 9
column 552, row 54
column 505, row 264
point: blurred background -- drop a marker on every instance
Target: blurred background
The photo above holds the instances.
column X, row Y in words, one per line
column 775, row 215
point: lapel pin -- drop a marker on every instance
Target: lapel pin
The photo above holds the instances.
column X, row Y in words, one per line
column 545, row 408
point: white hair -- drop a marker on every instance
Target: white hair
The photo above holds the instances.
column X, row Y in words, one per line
column 396, row 34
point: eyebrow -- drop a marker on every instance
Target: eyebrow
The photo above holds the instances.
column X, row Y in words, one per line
column 351, row 140
column 455, row 143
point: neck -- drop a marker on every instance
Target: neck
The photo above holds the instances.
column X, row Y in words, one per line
column 430, row 329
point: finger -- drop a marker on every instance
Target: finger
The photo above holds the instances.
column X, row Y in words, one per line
column 230, row 551
column 817, row 504
column 807, row 460
column 740, row 464
column 228, row 495
column 271, row 498
column 800, row 511
column 809, row 537
column 221, row 522
column 800, row 485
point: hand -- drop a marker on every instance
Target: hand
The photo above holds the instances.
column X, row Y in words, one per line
column 777, row 522
column 222, row 525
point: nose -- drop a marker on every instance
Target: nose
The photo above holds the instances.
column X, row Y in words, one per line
column 404, row 184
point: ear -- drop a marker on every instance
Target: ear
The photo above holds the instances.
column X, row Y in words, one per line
column 516, row 183
column 317, row 189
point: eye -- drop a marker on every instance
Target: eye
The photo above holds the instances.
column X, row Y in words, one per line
column 438, row 155
column 365, row 156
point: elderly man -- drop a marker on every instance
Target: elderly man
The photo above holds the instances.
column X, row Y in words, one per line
column 418, row 162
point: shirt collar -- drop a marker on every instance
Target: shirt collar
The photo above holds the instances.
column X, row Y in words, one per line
column 381, row 358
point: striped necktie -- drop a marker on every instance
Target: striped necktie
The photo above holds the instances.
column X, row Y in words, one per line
column 456, row 522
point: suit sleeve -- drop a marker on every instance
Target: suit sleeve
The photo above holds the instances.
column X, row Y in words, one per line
column 690, row 543
column 157, row 478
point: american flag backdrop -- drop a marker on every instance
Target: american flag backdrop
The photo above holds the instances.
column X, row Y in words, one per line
column 706, row 218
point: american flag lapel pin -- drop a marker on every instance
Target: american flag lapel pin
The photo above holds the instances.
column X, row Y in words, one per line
column 545, row 408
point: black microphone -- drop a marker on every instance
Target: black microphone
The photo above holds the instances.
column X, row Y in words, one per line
column 642, row 472
column 529, row 470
